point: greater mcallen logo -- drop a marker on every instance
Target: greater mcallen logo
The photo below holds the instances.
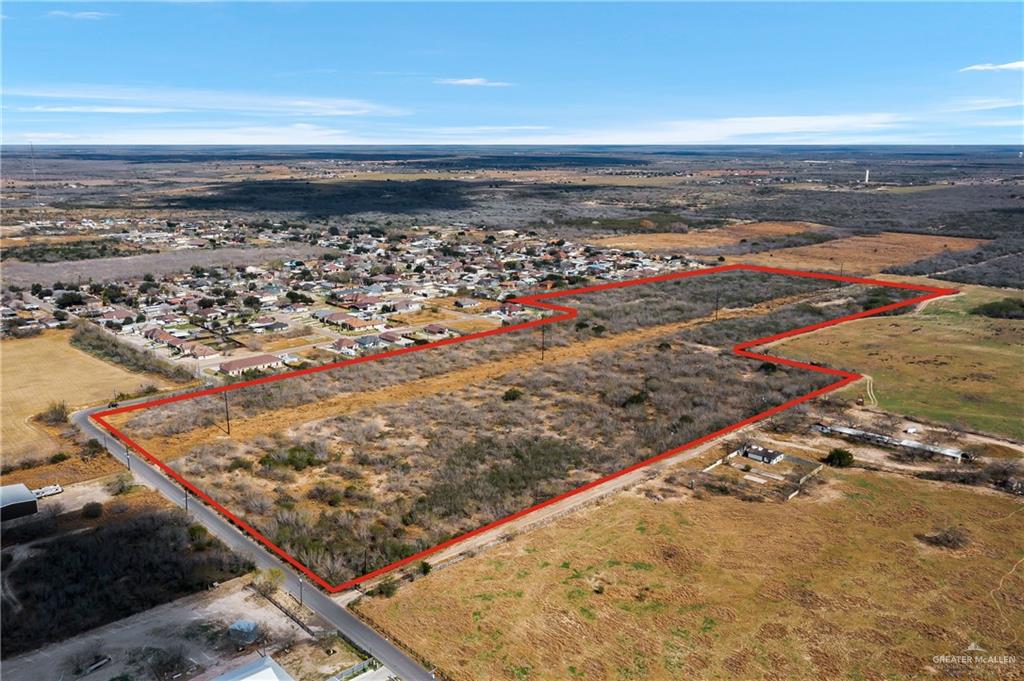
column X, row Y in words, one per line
column 974, row 654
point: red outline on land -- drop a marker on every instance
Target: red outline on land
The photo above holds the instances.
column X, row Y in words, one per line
column 566, row 313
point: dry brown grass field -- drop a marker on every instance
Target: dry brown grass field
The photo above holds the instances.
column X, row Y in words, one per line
column 834, row 585
column 860, row 254
column 37, row 371
column 706, row 238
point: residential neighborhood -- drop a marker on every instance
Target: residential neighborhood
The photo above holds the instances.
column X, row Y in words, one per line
column 367, row 292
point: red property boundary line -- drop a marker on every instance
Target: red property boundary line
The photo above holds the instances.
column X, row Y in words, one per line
column 565, row 313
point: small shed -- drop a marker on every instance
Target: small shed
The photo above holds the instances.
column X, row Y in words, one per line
column 16, row 501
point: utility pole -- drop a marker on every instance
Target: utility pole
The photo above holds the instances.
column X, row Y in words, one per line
column 127, row 456
column 717, row 294
column 227, row 412
column 300, row 589
column 543, row 339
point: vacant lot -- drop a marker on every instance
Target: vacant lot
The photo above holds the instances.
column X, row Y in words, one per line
column 835, row 586
column 942, row 364
column 356, row 480
column 706, row 238
column 862, row 254
column 38, row 371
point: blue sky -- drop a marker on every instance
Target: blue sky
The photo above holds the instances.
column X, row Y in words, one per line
column 687, row 73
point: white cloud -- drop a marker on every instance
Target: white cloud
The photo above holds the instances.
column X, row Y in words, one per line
column 299, row 133
column 1009, row 66
column 985, row 104
column 205, row 100
column 476, row 129
column 809, row 129
column 472, row 82
column 94, row 109
column 819, row 129
column 87, row 16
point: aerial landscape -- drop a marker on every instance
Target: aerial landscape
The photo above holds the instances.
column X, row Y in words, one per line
column 538, row 345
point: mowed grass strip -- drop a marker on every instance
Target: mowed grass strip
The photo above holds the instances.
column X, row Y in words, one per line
column 835, row 586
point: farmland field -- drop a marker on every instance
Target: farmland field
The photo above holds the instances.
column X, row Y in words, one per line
column 941, row 364
column 38, row 371
column 829, row 586
column 861, row 254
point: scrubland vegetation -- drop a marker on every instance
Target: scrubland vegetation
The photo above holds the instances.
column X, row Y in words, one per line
column 605, row 312
column 124, row 565
column 91, row 339
column 354, row 492
column 997, row 263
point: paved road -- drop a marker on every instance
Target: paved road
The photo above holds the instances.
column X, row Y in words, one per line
column 349, row 625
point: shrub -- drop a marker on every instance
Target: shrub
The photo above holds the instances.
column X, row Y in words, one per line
column 946, row 537
column 425, row 567
column 93, row 509
column 512, row 394
column 1007, row 308
column 197, row 533
column 327, row 494
column 121, row 484
column 387, row 588
column 58, row 457
column 92, row 448
column 298, row 457
column 636, row 398
column 56, row 413
column 238, row 462
column 266, row 582
column 840, row 458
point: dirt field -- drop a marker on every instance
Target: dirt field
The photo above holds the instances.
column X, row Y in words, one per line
column 860, row 254
column 706, row 238
column 940, row 364
column 834, row 586
column 38, row 371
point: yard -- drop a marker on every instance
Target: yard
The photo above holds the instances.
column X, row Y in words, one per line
column 834, row 585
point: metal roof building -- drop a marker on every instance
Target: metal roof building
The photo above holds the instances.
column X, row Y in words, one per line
column 16, row 501
column 263, row 669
